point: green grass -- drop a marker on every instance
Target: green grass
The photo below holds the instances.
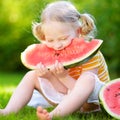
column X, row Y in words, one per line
column 9, row 81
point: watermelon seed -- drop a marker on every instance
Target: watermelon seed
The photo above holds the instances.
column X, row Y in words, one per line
column 108, row 89
column 117, row 94
column 57, row 54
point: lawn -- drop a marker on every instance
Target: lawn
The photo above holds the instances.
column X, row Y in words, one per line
column 9, row 81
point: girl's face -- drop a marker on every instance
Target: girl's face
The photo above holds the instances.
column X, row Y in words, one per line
column 58, row 35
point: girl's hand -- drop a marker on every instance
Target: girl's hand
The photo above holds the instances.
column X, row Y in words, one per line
column 42, row 71
column 58, row 70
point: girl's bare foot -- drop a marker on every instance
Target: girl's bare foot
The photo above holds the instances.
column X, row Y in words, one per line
column 42, row 114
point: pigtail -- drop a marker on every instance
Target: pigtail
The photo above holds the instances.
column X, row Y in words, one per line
column 87, row 24
column 37, row 32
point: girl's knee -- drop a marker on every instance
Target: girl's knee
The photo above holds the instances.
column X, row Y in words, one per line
column 88, row 78
column 90, row 75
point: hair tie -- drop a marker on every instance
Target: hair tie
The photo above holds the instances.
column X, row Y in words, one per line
column 79, row 16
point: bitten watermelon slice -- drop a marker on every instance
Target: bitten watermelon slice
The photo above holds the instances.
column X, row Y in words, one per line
column 110, row 98
column 77, row 52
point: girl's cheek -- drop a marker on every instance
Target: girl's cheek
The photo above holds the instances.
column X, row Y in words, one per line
column 51, row 46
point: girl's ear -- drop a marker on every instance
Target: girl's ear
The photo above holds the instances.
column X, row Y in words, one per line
column 37, row 31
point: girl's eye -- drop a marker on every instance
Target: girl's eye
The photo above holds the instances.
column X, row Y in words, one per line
column 64, row 38
column 50, row 40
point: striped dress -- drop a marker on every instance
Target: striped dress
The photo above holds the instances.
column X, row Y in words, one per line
column 97, row 61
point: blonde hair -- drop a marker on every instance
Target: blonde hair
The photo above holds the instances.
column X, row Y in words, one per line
column 64, row 11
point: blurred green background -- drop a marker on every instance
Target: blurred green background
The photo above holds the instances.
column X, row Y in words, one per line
column 16, row 17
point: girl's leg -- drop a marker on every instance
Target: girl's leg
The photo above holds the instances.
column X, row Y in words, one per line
column 80, row 93
column 75, row 99
column 22, row 94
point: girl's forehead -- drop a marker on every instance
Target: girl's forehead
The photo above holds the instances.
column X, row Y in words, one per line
column 56, row 30
column 56, row 26
column 57, row 36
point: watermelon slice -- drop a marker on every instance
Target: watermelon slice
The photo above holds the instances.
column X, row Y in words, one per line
column 76, row 53
column 110, row 98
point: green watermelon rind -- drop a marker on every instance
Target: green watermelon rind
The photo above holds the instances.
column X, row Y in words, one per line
column 82, row 61
column 70, row 64
column 23, row 56
column 102, row 100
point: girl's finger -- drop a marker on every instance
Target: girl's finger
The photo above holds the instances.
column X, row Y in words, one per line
column 56, row 63
column 58, row 66
column 38, row 65
column 61, row 65
column 41, row 68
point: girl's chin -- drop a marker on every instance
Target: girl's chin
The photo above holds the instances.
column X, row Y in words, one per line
column 56, row 48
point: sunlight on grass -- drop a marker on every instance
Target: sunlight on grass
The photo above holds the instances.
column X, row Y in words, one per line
column 5, row 93
column 7, row 89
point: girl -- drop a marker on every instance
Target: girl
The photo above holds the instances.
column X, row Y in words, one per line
column 77, row 87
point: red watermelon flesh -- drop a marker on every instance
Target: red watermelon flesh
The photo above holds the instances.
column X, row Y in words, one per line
column 77, row 51
column 110, row 97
